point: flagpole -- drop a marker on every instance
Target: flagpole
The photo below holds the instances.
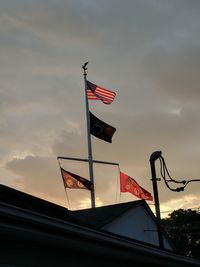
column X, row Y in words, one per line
column 90, row 160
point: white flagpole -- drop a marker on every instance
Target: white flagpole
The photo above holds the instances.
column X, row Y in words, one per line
column 90, row 160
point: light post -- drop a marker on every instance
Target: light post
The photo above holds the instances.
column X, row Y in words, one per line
column 154, row 156
column 164, row 174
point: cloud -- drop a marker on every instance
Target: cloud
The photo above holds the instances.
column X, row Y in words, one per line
column 37, row 175
column 145, row 50
column 175, row 70
column 190, row 201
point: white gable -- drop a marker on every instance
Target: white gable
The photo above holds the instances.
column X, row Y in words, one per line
column 136, row 223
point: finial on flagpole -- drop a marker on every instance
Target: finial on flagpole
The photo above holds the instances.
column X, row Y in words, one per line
column 84, row 67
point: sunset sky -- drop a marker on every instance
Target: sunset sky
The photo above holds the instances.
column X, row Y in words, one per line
column 147, row 51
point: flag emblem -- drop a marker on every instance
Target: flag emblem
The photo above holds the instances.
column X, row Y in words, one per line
column 69, row 182
column 80, row 184
column 127, row 187
column 95, row 92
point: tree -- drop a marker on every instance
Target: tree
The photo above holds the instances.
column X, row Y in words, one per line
column 183, row 227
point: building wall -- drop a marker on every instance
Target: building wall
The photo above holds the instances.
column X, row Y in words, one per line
column 32, row 239
column 136, row 224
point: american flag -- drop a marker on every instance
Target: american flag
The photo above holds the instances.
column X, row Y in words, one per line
column 95, row 92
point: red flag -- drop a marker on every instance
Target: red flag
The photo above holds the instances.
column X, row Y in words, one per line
column 128, row 184
column 95, row 92
column 75, row 181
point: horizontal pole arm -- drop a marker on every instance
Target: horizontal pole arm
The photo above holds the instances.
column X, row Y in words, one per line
column 86, row 160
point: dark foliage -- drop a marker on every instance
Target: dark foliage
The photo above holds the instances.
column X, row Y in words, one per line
column 183, row 227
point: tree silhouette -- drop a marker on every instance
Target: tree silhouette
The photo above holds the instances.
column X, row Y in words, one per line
column 183, row 227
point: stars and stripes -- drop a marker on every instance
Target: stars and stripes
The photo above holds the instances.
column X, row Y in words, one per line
column 95, row 92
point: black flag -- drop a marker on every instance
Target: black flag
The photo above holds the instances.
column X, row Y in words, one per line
column 101, row 129
column 74, row 181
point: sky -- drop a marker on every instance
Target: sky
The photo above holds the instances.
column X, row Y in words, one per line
column 147, row 51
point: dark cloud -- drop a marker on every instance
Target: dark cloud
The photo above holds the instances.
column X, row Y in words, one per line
column 175, row 71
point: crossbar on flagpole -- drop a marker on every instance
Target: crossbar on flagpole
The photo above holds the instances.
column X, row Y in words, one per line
column 90, row 160
column 86, row 160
